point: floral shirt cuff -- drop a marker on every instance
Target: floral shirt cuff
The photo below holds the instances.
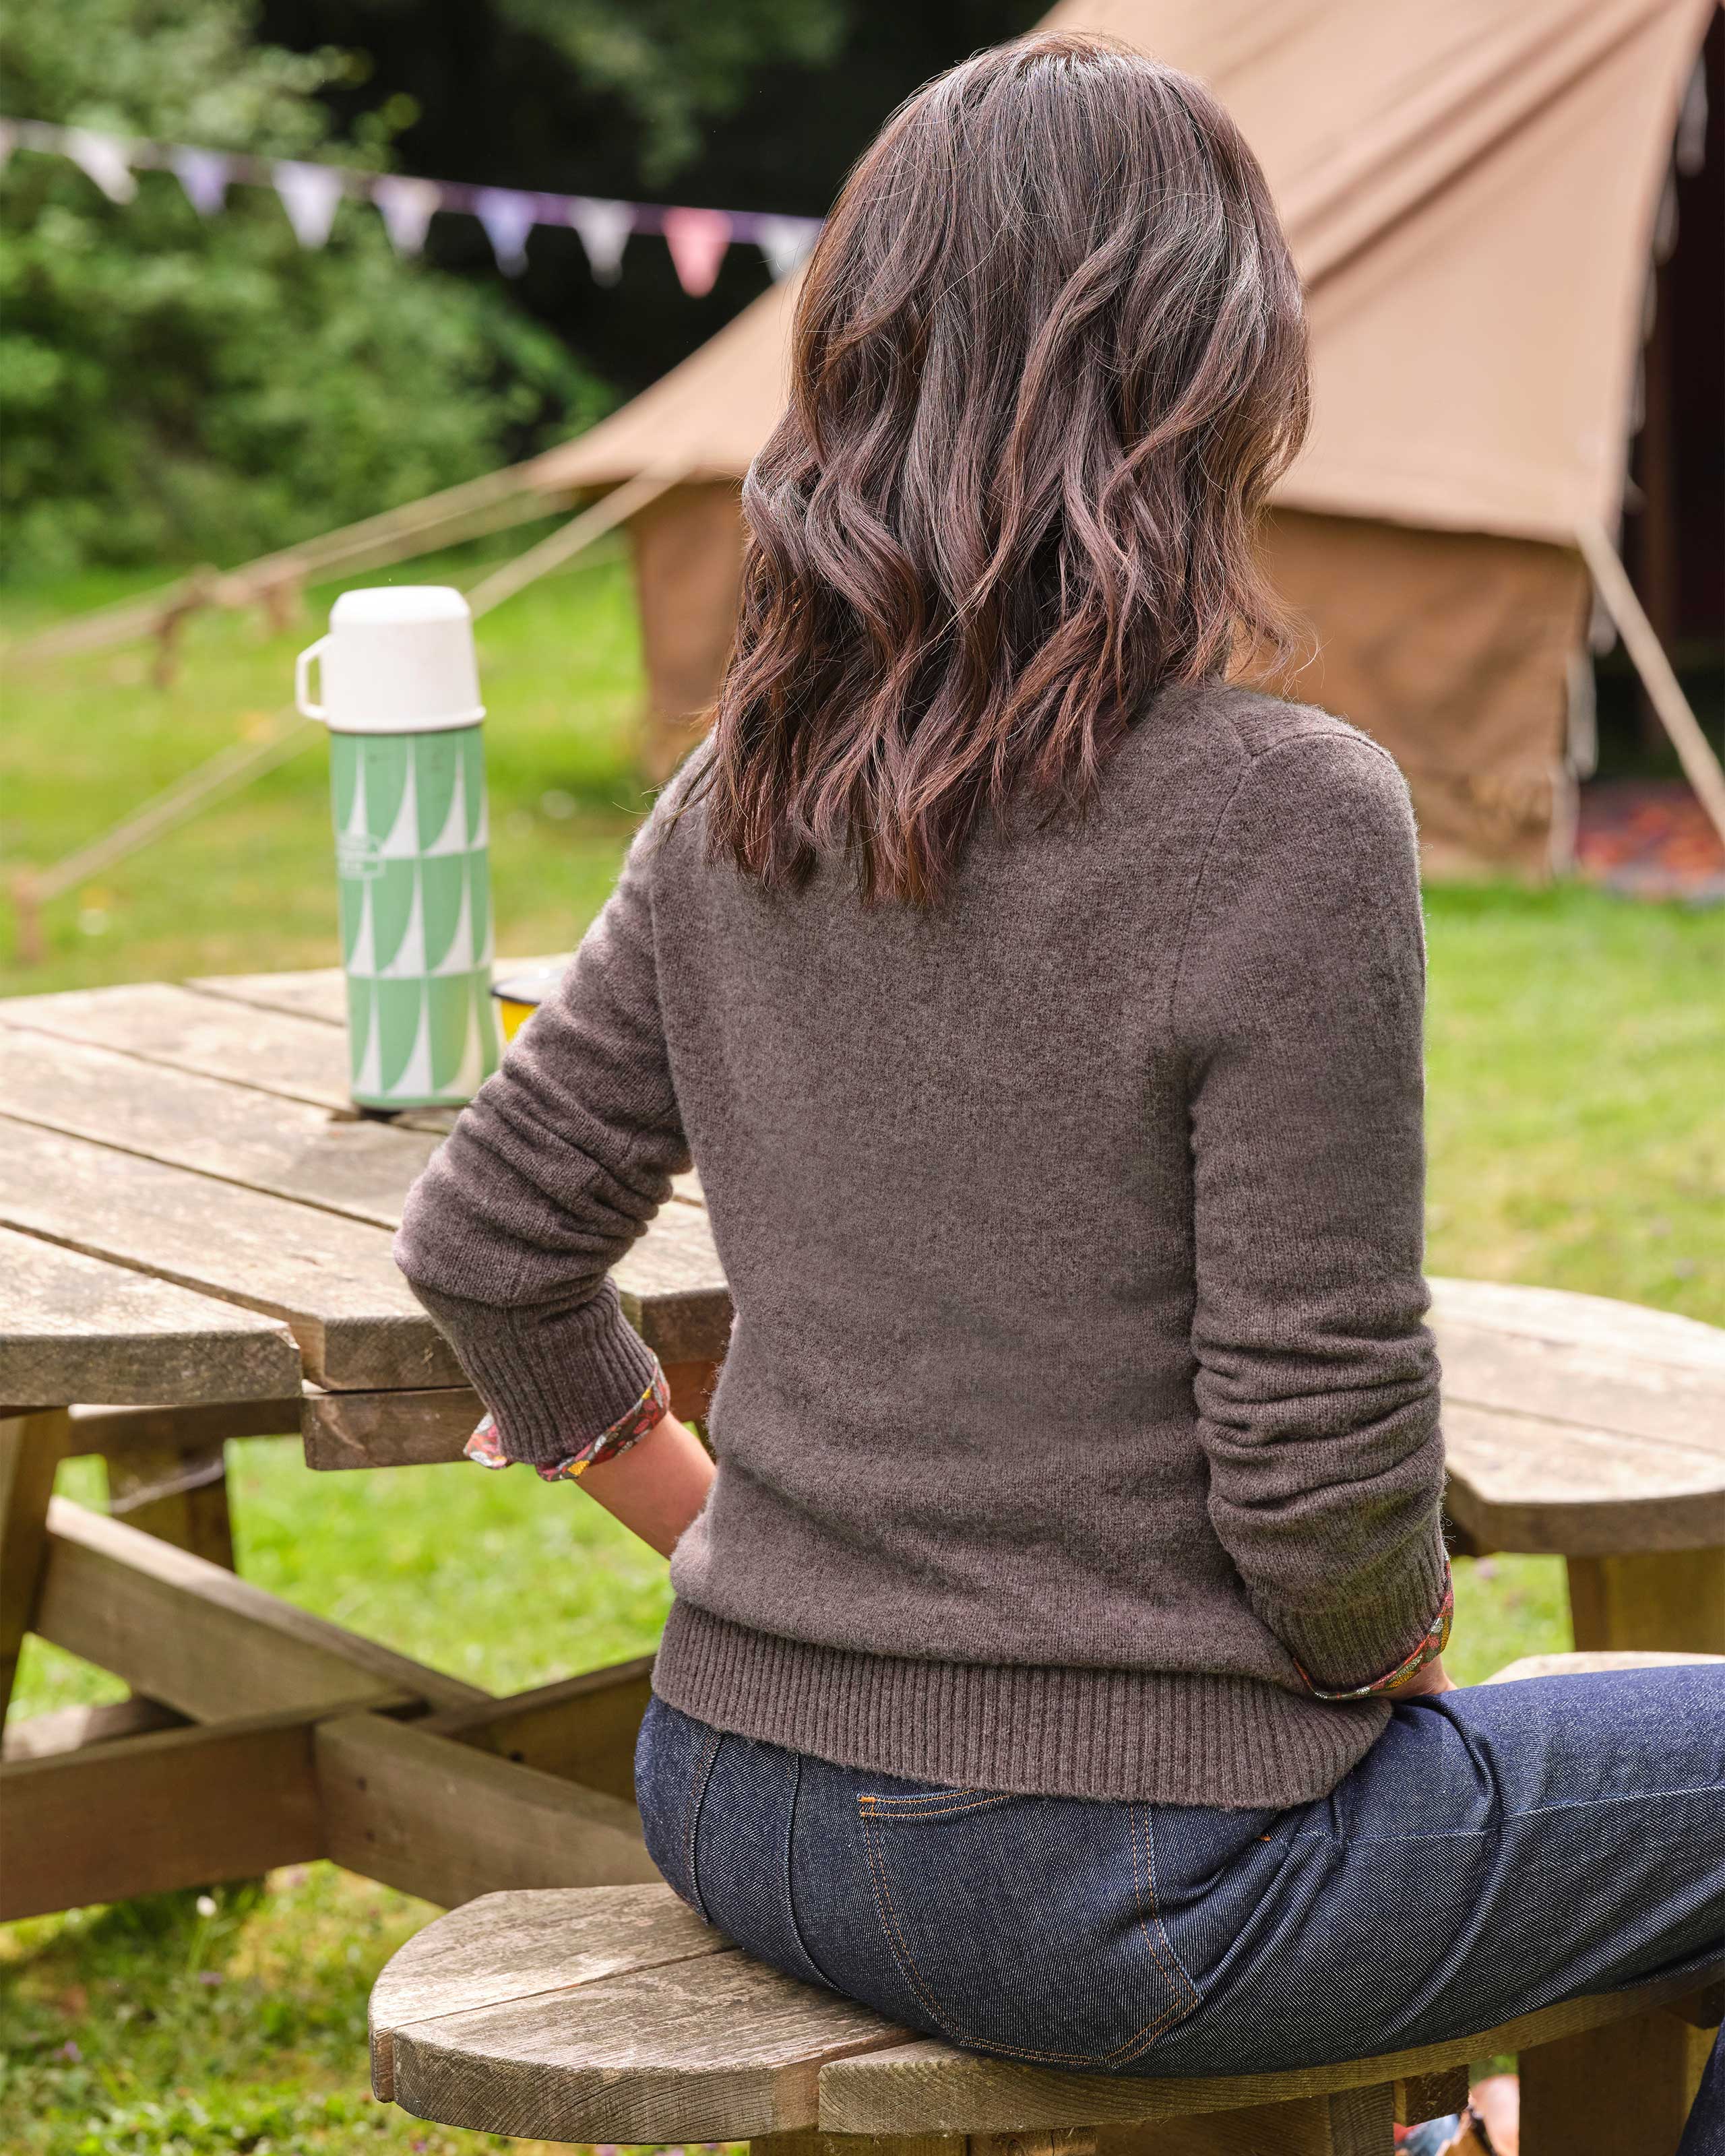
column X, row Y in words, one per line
column 485, row 1445
column 1436, row 1640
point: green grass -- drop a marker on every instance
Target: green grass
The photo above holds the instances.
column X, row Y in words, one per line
column 1576, row 1139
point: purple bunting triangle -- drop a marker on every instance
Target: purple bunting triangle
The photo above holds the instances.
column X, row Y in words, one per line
column 203, row 174
column 508, row 216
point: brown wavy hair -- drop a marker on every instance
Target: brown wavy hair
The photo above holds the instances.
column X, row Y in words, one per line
column 1049, row 358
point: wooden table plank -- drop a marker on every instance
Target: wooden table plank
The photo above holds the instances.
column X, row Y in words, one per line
column 331, row 1280
column 72, row 1327
column 1561, row 1316
column 147, row 1814
column 1575, row 1489
column 185, row 1632
column 1644, row 1396
column 441, row 1818
column 263, row 1141
column 322, row 993
column 160, row 1023
column 671, row 1283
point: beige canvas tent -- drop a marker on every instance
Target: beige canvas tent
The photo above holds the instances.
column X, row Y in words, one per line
column 1470, row 192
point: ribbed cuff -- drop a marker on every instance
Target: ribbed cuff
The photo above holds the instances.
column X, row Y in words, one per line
column 1357, row 1641
column 552, row 1384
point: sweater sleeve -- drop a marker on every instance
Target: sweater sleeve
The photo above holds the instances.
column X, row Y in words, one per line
column 1300, row 1006
column 552, row 1170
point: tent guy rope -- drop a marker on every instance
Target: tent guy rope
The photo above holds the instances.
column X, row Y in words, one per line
column 235, row 767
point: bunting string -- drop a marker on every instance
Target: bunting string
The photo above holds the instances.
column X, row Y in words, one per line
column 698, row 240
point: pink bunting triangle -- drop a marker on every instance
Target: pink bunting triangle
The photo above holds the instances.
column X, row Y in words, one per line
column 698, row 240
column 309, row 194
column 508, row 216
column 407, row 206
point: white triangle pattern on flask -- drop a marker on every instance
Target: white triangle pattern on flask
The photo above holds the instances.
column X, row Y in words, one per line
column 414, row 1082
column 403, row 843
column 408, row 962
column 361, row 959
column 368, row 1079
column 459, row 959
column 482, row 828
column 470, row 1073
column 356, row 826
column 452, row 837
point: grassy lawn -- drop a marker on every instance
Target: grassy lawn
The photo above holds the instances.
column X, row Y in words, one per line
column 1577, row 1139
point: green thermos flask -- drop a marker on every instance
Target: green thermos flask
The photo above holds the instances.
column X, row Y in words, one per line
column 399, row 693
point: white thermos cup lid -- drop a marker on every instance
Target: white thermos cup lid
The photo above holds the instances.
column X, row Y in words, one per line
column 398, row 658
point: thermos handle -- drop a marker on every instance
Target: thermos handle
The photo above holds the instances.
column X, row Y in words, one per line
column 302, row 682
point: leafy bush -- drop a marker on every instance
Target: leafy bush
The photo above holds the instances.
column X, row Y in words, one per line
column 179, row 388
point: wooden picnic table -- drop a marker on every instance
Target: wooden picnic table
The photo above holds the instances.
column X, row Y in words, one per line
column 194, row 1246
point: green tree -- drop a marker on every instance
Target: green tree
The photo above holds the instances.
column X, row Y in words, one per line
column 675, row 64
column 175, row 387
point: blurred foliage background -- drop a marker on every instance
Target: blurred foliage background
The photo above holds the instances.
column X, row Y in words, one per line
column 176, row 389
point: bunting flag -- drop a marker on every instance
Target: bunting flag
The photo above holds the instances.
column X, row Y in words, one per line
column 699, row 239
column 203, row 174
column 104, row 160
column 786, row 242
column 508, row 218
column 309, row 194
column 406, row 206
column 604, row 228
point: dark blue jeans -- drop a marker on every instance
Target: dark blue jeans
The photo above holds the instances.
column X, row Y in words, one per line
column 1496, row 1850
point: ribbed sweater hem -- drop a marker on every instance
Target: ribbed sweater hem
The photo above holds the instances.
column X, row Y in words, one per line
column 1160, row 1737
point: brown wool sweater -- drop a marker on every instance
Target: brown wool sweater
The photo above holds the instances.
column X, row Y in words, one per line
column 1078, row 1397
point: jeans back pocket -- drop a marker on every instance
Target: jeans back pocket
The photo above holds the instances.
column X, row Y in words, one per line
column 1027, row 1926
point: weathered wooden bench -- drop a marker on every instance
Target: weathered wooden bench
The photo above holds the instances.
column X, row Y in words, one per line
column 613, row 2013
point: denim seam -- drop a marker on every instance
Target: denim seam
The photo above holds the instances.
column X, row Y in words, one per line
column 1136, row 2042
column 790, row 1898
column 1180, row 2009
column 1510, row 1820
column 697, row 1797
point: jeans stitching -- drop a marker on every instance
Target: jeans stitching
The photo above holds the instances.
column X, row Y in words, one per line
column 697, row 1797
column 790, row 1899
column 888, row 1919
column 919, row 1984
column 928, row 1811
column 970, row 1799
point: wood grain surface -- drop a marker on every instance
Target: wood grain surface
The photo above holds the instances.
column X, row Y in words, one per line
column 447, row 1821
column 74, row 1328
column 181, row 1630
column 504, row 1947
column 720, row 2048
column 159, row 1022
column 145, row 1814
column 331, row 1281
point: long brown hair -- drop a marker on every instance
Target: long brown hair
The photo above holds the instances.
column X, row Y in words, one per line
column 1049, row 358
